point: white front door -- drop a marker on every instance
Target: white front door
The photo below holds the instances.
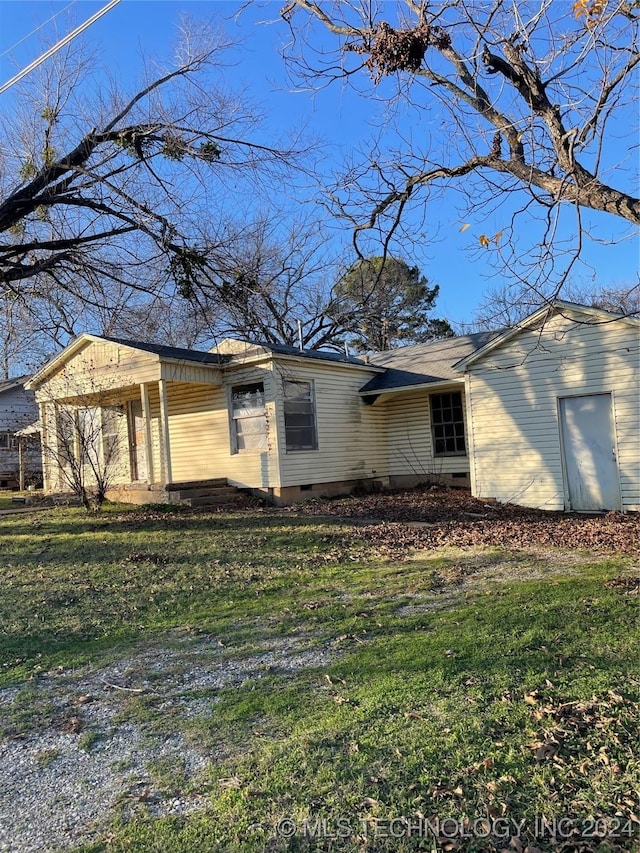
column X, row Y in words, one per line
column 590, row 466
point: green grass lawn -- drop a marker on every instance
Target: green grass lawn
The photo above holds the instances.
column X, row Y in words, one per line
column 7, row 499
column 496, row 690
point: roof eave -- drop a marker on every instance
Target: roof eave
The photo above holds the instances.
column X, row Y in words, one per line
column 556, row 306
column 53, row 364
column 441, row 383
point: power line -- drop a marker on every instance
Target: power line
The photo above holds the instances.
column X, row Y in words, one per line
column 58, row 45
column 28, row 35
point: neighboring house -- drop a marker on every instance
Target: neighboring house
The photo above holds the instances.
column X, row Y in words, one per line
column 511, row 414
column 18, row 410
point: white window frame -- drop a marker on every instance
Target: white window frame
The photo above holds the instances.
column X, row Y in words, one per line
column 290, row 447
column 111, row 419
column 439, row 454
column 8, row 441
column 260, row 416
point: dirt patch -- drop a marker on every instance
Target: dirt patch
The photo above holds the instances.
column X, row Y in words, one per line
column 466, row 575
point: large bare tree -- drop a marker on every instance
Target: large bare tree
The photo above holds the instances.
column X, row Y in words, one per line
column 102, row 190
column 524, row 108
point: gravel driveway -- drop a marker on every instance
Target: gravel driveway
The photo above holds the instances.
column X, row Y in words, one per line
column 71, row 759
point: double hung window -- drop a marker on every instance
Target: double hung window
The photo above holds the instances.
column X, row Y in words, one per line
column 447, row 424
column 299, row 416
column 249, row 417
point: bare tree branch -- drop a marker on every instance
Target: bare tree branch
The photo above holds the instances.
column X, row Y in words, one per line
column 526, row 98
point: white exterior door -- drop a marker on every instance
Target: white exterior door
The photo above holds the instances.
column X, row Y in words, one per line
column 590, row 465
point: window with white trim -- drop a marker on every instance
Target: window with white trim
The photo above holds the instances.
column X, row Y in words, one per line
column 299, row 415
column 88, row 428
column 66, row 435
column 111, row 420
column 8, row 441
column 447, row 424
column 248, row 418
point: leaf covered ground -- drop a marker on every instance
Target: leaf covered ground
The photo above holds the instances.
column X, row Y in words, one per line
column 433, row 517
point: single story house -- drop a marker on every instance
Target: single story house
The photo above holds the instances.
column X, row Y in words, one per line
column 20, row 454
column 545, row 414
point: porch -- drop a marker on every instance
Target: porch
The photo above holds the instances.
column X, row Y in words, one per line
column 145, row 441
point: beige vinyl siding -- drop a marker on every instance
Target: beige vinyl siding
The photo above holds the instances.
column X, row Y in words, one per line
column 49, row 469
column 98, row 368
column 199, row 433
column 410, row 444
column 351, row 435
column 253, row 468
column 185, row 371
column 514, row 394
column 53, row 459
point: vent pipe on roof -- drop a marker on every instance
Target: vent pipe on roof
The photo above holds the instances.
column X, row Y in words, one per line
column 300, row 346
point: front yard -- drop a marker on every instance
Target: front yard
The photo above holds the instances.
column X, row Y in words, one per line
column 283, row 681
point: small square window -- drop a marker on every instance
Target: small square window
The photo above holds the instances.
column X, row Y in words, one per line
column 8, row 441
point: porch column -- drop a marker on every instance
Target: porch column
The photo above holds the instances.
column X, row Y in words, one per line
column 164, row 429
column 146, row 415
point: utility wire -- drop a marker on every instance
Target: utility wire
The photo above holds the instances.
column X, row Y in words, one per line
column 28, row 35
column 58, row 45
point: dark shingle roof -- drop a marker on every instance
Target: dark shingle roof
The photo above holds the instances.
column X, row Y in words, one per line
column 8, row 384
column 224, row 358
column 325, row 355
column 178, row 353
column 423, row 364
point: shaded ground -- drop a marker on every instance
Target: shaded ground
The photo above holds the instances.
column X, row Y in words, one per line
column 396, row 522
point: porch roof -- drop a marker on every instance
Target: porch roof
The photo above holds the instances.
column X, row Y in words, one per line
column 142, row 362
column 174, row 353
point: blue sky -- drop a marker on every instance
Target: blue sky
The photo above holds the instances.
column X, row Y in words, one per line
column 448, row 257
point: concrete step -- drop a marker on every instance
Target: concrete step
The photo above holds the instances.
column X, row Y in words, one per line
column 197, row 484
column 212, row 491
column 203, row 493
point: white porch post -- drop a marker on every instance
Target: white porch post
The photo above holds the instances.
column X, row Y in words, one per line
column 164, row 429
column 146, row 414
